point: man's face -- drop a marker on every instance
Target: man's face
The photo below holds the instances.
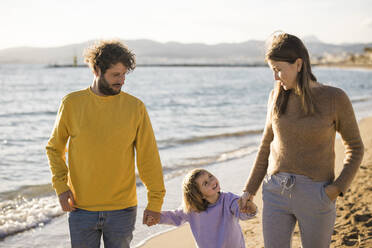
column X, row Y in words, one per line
column 112, row 80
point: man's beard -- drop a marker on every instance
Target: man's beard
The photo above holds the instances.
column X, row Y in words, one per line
column 105, row 88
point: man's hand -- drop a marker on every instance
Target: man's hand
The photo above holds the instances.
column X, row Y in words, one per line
column 150, row 218
column 66, row 200
column 243, row 202
column 332, row 192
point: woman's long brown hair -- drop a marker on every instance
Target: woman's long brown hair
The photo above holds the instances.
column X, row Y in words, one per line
column 288, row 48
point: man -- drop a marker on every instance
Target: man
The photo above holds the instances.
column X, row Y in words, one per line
column 105, row 128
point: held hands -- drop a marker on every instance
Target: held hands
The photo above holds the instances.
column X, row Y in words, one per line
column 246, row 204
column 66, row 200
column 251, row 208
column 150, row 218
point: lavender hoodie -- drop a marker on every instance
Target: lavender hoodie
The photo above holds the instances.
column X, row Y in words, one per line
column 216, row 227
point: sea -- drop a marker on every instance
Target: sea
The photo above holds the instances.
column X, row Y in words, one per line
column 208, row 117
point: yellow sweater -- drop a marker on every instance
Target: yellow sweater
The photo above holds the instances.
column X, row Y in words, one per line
column 104, row 133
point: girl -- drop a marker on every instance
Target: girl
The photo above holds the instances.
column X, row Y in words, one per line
column 296, row 157
column 213, row 215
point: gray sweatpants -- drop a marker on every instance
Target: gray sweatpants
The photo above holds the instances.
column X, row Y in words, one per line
column 288, row 198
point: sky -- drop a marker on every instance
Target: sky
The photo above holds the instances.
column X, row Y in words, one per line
column 49, row 23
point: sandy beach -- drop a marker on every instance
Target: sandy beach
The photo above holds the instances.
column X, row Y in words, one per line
column 353, row 226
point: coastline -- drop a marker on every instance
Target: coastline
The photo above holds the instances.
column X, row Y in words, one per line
column 345, row 66
column 170, row 65
column 353, row 227
column 327, row 65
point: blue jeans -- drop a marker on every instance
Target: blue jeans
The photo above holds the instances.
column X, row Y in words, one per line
column 87, row 227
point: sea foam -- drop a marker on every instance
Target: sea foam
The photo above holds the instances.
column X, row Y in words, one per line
column 22, row 214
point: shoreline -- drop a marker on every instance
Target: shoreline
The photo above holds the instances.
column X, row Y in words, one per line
column 246, row 65
column 344, row 66
column 168, row 65
column 353, row 227
column 327, row 65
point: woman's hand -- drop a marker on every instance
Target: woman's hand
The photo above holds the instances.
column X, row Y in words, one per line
column 251, row 207
column 243, row 200
column 332, row 192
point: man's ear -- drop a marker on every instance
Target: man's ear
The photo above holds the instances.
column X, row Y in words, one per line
column 299, row 63
column 96, row 71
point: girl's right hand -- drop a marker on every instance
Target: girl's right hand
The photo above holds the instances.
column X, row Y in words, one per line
column 150, row 218
column 150, row 221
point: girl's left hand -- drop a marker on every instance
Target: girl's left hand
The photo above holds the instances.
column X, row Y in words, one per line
column 243, row 201
column 332, row 192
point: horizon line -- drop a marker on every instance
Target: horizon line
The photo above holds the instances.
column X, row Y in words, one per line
column 178, row 42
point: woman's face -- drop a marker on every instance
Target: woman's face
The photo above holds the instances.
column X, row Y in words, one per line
column 285, row 73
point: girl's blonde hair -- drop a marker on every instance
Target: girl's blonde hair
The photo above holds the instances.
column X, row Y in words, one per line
column 288, row 48
column 192, row 196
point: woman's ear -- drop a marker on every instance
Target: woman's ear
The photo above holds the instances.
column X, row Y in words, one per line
column 299, row 63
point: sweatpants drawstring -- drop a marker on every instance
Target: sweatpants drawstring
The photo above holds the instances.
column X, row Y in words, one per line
column 287, row 183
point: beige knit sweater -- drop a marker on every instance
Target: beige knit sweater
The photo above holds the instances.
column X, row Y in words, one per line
column 304, row 145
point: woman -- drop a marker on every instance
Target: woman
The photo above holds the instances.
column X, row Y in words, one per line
column 296, row 157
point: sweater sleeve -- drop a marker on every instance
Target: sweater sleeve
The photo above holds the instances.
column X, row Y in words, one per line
column 148, row 162
column 347, row 126
column 234, row 208
column 56, row 150
column 175, row 218
column 262, row 159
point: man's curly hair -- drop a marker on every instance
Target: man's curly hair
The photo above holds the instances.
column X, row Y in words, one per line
column 103, row 54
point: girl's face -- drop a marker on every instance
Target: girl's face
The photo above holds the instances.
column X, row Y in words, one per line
column 285, row 73
column 208, row 186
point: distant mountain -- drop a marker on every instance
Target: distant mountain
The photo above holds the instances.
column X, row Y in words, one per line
column 51, row 55
column 152, row 52
column 311, row 39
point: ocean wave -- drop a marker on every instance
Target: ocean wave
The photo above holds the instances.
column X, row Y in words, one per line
column 27, row 191
column 22, row 214
column 190, row 163
column 163, row 144
column 28, row 114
